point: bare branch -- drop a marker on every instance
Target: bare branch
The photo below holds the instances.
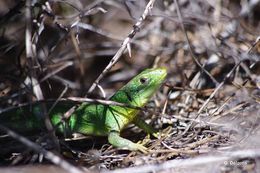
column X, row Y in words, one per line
column 127, row 41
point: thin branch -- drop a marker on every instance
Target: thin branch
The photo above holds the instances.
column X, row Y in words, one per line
column 210, row 97
column 218, row 88
column 127, row 41
column 103, row 102
column 30, row 55
column 189, row 45
column 28, row 30
column 32, row 62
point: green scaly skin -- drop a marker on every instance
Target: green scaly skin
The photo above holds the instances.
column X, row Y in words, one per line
column 96, row 119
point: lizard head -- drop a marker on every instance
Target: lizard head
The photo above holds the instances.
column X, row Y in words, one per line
column 141, row 88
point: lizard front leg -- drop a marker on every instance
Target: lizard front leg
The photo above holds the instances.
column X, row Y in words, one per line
column 146, row 127
column 116, row 140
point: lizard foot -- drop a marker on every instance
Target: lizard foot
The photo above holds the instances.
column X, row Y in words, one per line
column 123, row 143
column 138, row 147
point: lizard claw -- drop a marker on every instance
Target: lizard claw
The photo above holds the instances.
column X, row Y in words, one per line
column 156, row 135
column 139, row 147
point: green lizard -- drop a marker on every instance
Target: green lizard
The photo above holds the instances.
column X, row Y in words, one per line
column 96, row 119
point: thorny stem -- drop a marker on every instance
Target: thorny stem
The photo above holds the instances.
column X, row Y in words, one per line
column 126, row 42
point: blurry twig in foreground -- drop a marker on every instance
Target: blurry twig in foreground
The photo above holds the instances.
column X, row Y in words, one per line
column 47, row 154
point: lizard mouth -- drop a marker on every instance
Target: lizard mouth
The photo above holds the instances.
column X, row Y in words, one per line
column 162, row 73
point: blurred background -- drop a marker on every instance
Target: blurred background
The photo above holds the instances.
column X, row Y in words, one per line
column 73, row 41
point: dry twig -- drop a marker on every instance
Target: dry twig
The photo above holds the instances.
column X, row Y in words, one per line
column 126, row 43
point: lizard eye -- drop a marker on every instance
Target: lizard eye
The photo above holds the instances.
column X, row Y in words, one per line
column 143, row 80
